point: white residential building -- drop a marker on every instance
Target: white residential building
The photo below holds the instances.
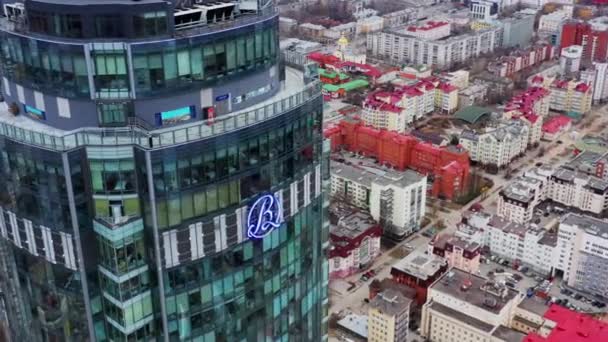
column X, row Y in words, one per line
column 516, row 202
column 523, row 244
column 465, row 307
column 395, row 199
column 484, row 9
column 399, row 46
column 582, row 253
column 496, row 145
column 578, row 190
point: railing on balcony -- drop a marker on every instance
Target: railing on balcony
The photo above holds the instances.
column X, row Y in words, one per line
column 135, row 135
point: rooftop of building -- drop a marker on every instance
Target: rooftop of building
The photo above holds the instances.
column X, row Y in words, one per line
column 441, row 241
column 571, row 326
column 391, row 302
column 388, row 283
column 354, row 323
column 520, row 190
column 556, row 124
column 534, row 305
column 595, row 143
column 353, row 225
column 502, row 130
column 591, row 225
column 507, row 334
column 567, row 175
column 585, row 160
column 461, row 317
column 472, row 114
column 483, row 293
column 420, row 265
column 508, row 227
column 379, row 176
column 299, row 45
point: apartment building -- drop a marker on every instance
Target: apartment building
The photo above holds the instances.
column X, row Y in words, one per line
column 597, row 77
column 466, row 307
column 496, row 145
column 582, row 253
column 571, row 96
column 578, row 190
column 484, row 9
column 400, row 46
column 457, row 251
column 518, row 28
column 522, row 244
column 388, row 317
column 592, row 36
column 550, row 25
column 397, row 110
column 395, row 199
column 519, row 60
column 517, row 200
column 354, row 243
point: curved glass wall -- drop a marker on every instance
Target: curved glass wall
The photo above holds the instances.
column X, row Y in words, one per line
column 163, row 67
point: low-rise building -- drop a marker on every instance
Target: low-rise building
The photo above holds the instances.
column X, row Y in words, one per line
column 497, row 145
column 388, row 317
column 295, row 51
column 556, row 126
column 311, row 30
column 418, row 271
column 354, row 244
column 591, row 163
column 458, row 252
column 466, row 307
column 395, row 199
column 473, row 94
column 520, row 60
column 561, row 324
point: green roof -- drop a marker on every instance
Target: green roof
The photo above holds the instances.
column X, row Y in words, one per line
column 332, row 74
column 471, row 114
column 348, row 86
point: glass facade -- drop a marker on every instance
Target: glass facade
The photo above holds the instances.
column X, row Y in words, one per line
column 146, row 240
column 163, row 67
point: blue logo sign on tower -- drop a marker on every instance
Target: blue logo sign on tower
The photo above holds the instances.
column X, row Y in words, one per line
column 264, row 216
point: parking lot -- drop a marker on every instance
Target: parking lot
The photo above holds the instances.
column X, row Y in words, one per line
column 529, row 281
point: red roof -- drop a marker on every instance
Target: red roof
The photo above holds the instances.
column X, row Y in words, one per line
column 571, row 327
column 429, row 25
column 556, row 123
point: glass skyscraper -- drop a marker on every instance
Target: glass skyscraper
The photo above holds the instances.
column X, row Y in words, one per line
column 161, row 175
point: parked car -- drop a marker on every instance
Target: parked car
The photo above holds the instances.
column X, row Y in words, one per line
column 510, row 284
column 517, row 277
column 577, row 296
column 524, row 269
column 499, row 270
